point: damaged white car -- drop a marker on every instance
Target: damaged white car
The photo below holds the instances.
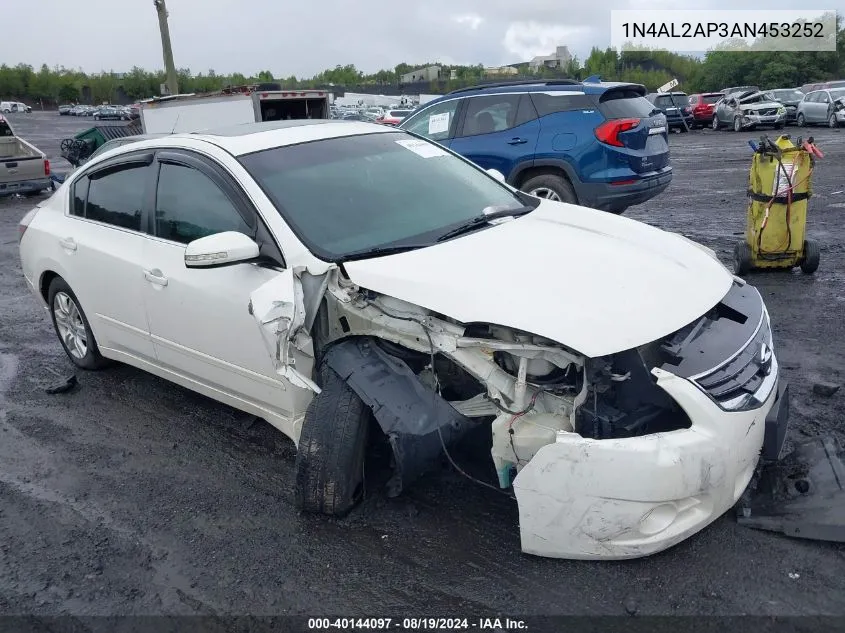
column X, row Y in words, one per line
column 351, row 283
column 748, row 110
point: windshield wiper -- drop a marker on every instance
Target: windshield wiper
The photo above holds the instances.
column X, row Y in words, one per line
column 380, row 251
column 474, row 223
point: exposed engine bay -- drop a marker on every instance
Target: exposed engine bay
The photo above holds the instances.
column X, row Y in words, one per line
column 526, row 387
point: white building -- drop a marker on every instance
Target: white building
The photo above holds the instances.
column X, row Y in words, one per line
column 560, row 58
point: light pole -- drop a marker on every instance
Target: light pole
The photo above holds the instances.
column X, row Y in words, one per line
column 169, row 65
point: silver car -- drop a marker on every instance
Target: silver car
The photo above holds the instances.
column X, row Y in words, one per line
column 823, row 106
column 749, row 109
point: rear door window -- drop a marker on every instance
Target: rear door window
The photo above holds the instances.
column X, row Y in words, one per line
column 494, row 113
column 117, row 198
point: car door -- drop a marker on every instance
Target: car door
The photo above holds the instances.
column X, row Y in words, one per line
column 498, row 131
column 102, row 246
column 821, row 107
column 200, row 318
column 436, row 122
column 809, row 106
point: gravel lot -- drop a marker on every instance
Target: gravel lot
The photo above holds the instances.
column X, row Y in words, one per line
column 132, row 496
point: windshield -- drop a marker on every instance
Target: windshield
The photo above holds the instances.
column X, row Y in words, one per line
column 837, row 93
column 788, row 95
column 345, row 195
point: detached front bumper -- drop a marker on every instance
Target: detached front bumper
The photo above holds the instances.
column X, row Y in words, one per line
column 627, row 498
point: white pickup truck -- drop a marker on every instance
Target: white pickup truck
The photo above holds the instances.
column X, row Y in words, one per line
column 23, row 167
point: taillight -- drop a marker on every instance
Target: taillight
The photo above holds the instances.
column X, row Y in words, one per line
column 46, row 167
column 24, row 223
column 609, row 131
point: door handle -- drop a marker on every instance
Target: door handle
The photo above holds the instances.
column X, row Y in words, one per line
column 517, row 141
column 68, row 243
column 156, row 277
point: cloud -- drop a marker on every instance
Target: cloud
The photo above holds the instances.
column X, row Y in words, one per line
column 529, row 39
column 472, row 20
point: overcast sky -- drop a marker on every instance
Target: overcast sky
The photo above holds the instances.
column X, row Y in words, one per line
column 289, row 37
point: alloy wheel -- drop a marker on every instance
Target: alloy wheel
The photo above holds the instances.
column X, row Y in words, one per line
column 545, row 193
column 70, row 325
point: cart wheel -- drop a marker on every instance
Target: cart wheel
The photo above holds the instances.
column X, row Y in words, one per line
column 812, row 253
column 742, row 258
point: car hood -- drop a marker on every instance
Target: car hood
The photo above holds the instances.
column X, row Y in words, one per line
column 590, row 280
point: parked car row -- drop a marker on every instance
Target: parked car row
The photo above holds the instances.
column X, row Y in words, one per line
column 748, row 107
column 392, row 115
column 102, row 112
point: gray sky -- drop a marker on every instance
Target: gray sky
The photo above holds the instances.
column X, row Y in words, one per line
column 303, row 38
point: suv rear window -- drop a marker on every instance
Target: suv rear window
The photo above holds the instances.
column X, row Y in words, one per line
column 670, row 101
column 624, row 103
column 711, row 98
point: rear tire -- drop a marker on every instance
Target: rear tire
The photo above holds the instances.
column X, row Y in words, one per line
column 742, row 258
column 332, row 448
column 72, row 327
column 812, row 255
column 715, row 123
column 550, row 187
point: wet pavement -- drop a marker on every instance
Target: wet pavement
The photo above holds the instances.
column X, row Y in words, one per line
column 129, row 495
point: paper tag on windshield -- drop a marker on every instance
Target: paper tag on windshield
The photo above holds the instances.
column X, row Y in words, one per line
column 422, row 148
column 438, row 123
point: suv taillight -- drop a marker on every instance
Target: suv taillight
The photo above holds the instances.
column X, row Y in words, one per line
column 609, row 131
column 46, row 167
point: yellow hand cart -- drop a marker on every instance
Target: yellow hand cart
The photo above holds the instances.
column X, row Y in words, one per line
column 779, row 189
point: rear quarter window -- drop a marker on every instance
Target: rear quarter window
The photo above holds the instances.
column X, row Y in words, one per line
column 621, row 104
column 551, row 102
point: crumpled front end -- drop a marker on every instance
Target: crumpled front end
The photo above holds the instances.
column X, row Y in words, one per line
column 617, row 456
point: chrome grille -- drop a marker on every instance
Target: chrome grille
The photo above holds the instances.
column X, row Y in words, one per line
column 745, row 374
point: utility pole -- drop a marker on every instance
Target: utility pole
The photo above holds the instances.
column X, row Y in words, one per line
column 169, row 65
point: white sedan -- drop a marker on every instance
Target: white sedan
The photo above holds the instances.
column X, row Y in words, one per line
column 351, row 283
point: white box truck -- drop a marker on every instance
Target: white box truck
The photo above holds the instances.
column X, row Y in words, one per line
column 233, row 106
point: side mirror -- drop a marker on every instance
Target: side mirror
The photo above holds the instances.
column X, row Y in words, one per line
column 496, row 174
column 228, row 247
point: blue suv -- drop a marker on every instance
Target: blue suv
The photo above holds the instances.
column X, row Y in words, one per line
column 598, row 144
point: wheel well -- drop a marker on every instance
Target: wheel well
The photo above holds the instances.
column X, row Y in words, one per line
column 44, row 286
column 531, row 172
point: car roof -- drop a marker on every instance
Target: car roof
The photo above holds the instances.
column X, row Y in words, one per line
column 255, row 137
column 539, row 85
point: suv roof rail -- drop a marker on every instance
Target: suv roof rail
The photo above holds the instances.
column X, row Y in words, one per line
column 523, row 82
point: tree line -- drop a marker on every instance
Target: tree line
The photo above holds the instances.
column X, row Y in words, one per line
column 769, row 69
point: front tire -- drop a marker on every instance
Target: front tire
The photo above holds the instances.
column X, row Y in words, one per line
column 742, row 258
column 332, row 448
column 72, row 327
column 812, row 255
column 737, row 124
column 550, row 187
column 800, row 120
column 831, row 121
